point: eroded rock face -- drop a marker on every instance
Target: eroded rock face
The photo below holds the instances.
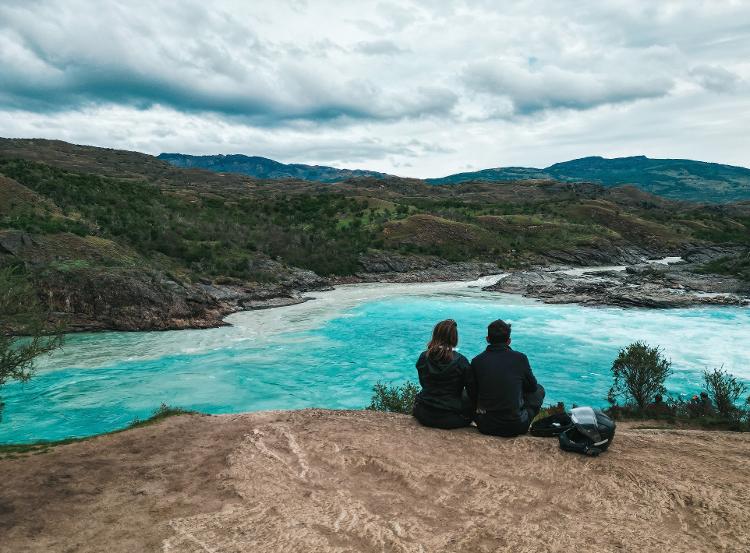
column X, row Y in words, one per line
column 582, row 257
column 130, row 299
column 14, row 241
column 127, row 300
column 387, row 267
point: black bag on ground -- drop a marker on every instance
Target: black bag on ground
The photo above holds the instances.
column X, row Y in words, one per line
column 549, row 427
column 591, row 432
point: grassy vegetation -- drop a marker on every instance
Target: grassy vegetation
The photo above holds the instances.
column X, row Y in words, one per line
column 209, row 235
column 738, row 267
column 11, row 451
column 394, row 399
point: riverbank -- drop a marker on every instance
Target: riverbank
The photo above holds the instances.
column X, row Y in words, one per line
column 355, row 480
column 626, row 277
column 670, row 282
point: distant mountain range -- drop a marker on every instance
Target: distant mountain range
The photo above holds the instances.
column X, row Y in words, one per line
column 264, row 168
column 679, row 179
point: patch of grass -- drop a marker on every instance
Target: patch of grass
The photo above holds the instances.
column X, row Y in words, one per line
column 12, row 451
column 163, row 412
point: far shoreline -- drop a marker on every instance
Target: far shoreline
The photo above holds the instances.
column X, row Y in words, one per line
column 416, row 278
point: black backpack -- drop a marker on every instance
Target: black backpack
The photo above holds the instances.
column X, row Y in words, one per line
column 585, row 430
column 551, row 426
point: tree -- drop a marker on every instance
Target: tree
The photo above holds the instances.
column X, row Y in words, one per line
column 724, row 390
column 639, row 374
column 22, row 313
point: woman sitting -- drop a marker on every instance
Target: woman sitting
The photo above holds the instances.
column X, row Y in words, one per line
column 447, row 381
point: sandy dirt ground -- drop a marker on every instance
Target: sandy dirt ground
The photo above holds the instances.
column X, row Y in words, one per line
column 335, row 481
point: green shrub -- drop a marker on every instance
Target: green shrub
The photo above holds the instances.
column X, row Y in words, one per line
column 639, row 373
column 724, row 390
column 395, row 399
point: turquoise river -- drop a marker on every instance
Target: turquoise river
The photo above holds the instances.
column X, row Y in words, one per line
column 328, row 352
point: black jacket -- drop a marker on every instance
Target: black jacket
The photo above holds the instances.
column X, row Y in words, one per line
column 502, row 378
column 444, row 383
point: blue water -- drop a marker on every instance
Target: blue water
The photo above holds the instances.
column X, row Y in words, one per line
column 329, row 352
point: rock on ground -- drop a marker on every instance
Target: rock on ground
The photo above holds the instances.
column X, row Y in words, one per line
column 335, row 481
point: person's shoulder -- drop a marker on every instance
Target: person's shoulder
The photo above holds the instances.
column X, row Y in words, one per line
column 519, row 355
column 479, row 356
column 461, row 358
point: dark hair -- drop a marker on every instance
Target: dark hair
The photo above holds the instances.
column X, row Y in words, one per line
column 444, row 339
column 498, row 332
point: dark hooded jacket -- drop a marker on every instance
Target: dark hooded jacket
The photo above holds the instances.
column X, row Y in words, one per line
column 443, row 383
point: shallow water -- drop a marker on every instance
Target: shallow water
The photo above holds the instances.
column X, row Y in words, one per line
column 330, row 351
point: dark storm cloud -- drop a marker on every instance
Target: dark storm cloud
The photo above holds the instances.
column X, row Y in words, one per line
column 216, row 67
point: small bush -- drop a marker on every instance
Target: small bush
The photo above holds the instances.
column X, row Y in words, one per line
column 639, row 374
column 724, row 390
column 395, row 399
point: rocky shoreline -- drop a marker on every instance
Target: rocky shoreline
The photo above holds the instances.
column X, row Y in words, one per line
column 138, row 300
column 650, row 283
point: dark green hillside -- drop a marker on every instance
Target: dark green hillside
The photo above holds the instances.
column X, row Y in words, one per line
column 200, row 224
column 679, row 179
column 204, row 234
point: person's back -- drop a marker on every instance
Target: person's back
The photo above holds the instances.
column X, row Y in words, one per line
column 446, row 379
column 442, row 381
column 508, row 395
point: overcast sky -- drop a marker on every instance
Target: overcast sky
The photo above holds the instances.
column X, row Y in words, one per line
column 415, row 88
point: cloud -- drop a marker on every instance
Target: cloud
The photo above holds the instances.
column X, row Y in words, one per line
column 414, row 86
column 203, row 62
column 532, row 88
column 715, row 78
column 379, row 48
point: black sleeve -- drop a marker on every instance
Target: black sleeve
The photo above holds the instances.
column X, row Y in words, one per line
column 421, row 368
column 529, row 381
column 470, row 382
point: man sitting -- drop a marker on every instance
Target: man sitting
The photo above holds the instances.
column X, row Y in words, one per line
column 508, row 396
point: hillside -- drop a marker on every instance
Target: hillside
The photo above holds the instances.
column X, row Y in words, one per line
column 116, row 239
column 335, row 481
column 678, row 179
column 264, row 168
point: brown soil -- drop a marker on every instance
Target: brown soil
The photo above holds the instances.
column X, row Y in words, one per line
column 328, row 481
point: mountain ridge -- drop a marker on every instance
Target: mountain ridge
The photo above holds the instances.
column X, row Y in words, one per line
column 266, row 168
column 678, row 179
